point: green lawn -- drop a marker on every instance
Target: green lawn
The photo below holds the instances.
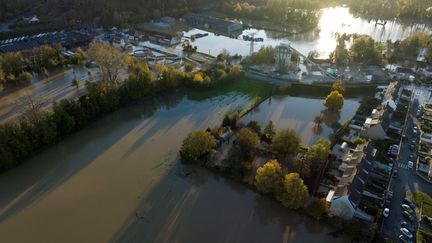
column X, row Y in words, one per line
column 251, row 87
column 423, row 237
column 418, row 198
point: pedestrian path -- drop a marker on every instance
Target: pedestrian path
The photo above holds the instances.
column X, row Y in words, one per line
column 403, row 166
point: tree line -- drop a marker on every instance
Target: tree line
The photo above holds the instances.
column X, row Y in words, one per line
column 107, row 13
column 40, row 128
column 365, row 50
column 390, row 9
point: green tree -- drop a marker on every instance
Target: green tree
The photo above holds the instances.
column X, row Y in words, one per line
column 294, row 192
column 334, row 101
column 302, row 165
column 410, row 46
column 197, row 147
column 265, row 55
column 269, row 130
column 364, row 50
column 295, row 58
column 340, row 55
column 285, row 142
column 231, row 120
column 139, row 82
column 269, row 177
column 25, row 77
column 320, row 150
column 358, row 141
column 248, row 142
column 339, row 86
column 318, row 208
column 64, row 122
column 254, row 126
column 76, row 83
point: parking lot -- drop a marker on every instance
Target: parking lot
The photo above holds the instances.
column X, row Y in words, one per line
column 406, row 180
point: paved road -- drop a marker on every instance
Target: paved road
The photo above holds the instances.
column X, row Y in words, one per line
column 56, row 87
column 407, row 180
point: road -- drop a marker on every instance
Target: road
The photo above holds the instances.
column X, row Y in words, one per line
column 407, row 180
column 56, row 87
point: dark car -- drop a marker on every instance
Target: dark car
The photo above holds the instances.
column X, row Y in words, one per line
column 408, row 202
column 408, row 216
column 407, row 226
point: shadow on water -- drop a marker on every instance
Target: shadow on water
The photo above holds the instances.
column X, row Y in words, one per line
column 36, row 181
column 190, row 204
column 122, row 174
column 50, row 169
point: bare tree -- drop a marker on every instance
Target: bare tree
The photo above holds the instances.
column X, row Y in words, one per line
column 110, row 60
column 31, row 107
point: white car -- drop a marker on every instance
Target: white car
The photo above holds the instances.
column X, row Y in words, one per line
column 410, row 165
column 406, row 232
column 386, row 212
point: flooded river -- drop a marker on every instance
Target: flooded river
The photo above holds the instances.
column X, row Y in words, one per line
column 298, row 114
column 120, row 180
column 322, row 39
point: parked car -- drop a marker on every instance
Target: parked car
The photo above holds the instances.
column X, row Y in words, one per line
column 407, row 208
column 386, row 212
column 408, row 202
column 405, row 239
column 410, row 165
column 407, row 226
column 408, row 216
column 406, row 232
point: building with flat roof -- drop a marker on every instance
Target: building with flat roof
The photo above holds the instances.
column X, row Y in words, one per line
column 211, row 23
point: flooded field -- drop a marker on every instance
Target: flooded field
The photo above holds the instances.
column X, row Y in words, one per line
column 120, row 180
column 298, row 114
column 56, row 87
column 322, row 39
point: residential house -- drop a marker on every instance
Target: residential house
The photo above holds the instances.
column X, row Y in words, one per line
column 404, row 73
column 376, row 125
column 338, row 196
column 368, row 189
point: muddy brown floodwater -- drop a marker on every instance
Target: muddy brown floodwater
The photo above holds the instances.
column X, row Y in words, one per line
column 120, row 180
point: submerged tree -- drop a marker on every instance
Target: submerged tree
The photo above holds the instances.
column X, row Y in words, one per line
column 248, row 142
column 269, row 130
column 286, row 142
column 334, row 101
column 197, row 147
